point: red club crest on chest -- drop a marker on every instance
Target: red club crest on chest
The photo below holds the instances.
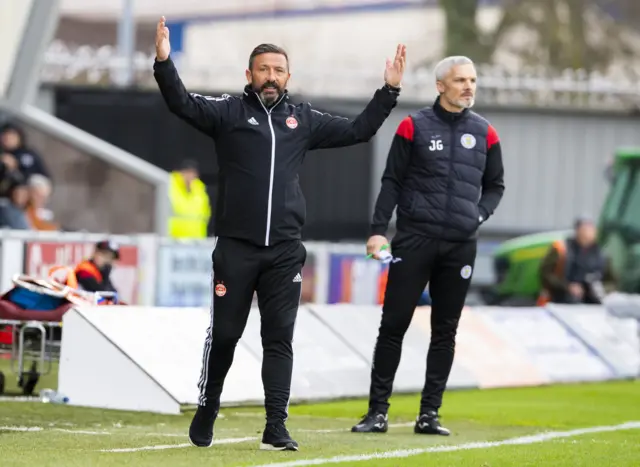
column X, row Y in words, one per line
column 292, row 123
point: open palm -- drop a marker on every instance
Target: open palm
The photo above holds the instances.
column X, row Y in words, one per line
column 163, row 47
column 395, row 69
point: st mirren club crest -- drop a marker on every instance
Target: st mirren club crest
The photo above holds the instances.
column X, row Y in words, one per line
column 468, row 141
column 220, row 290
column 292, row 122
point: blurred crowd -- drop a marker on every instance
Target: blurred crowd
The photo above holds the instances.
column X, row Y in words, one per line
column 26, row 187
column 25, row 183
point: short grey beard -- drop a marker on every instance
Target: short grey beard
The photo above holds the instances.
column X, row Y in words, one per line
column 462, row 104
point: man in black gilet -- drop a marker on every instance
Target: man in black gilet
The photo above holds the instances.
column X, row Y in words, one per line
column 444, row 174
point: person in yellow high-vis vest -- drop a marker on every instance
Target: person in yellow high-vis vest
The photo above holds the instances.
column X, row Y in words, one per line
column 189, row 203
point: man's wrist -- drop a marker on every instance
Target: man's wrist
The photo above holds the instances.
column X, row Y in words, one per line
column 391, row 88
column 377, row 230
column 483, row 214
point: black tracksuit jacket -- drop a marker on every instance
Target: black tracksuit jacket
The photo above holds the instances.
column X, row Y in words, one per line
column 260, row 151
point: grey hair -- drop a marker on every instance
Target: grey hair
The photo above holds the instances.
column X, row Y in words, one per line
column 39, row 181
column 445, row 65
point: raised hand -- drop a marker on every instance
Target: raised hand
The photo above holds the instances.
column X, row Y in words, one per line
column 395, row 69
column 163, row 47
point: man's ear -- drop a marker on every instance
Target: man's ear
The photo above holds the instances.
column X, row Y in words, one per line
column 248, row 75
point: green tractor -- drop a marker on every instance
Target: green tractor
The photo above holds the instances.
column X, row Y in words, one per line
column 517, row 261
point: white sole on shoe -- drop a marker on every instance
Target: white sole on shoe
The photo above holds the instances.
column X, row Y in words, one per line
column 196, row 446
column 271, row 447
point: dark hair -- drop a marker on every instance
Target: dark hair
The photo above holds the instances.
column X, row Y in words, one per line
column 189, row 164
column 583, row 220
column 267, row 49
column 13, row 126
column 108, row 246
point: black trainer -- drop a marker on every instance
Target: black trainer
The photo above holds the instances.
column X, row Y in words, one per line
column 373, row 422
column 428, row 424
column 201, row 429
column 276, row 438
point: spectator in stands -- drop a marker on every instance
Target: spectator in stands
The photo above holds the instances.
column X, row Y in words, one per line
column 13, row 141
column 9, row 173
column 40, row 217
column 12, row 208
column 189, row 203
column 94, row 274
column 575, row 270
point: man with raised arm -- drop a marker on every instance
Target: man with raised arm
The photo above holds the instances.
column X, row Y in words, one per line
column 261, row 140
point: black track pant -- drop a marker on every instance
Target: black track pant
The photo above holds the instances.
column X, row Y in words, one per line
column 447, row 267
column 274, row 272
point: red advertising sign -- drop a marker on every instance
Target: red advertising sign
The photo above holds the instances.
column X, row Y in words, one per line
column 41, row 256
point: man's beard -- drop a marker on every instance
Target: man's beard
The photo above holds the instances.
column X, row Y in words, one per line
column 463, row 104
column 268, row 99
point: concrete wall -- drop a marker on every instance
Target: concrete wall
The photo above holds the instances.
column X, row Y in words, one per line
column 90, row 194
column 13, row 19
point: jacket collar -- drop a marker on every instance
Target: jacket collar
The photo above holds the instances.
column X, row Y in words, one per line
column 445, row 115
column 252, row 98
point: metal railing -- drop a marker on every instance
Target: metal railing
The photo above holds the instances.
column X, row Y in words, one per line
column 536, row 87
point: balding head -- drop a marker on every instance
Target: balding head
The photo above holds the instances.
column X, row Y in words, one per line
column 40, row 189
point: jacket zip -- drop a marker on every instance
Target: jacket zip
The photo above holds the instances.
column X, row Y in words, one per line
column 273, row 164
column 451, row 153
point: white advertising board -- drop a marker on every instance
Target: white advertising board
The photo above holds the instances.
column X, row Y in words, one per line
column 358, row 325
column 149, row 359
column 184, row 276
column 165, row 346
column 602, row 334
column 541, row 339
column 324, row 366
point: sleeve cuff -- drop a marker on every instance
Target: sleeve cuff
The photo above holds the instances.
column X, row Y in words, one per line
column 484, row 215
column 391, row 89
column 377, row 230
column 162, row 64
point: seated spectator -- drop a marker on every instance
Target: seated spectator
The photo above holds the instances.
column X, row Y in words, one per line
column 575, row 270
column 94, row 274
column 40, row 217
column 13, row 141
column 13, row 207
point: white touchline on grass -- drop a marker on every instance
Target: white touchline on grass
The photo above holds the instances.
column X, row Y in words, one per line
column 161, row 435
column 20, row 428
column 148, row 448
column 121, row 433
column 219, row 441
column 90, row 433
column 19, row 398
column 313, row 417
column 81, row 432
column 341, row 430
column 177, row 446
column 531, row 439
